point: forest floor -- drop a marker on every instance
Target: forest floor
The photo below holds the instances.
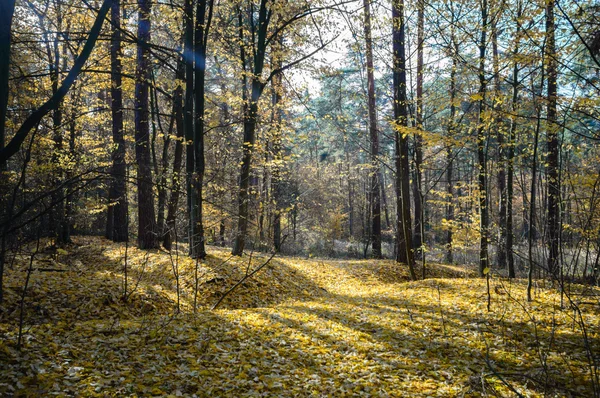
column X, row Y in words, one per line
column 299, row 327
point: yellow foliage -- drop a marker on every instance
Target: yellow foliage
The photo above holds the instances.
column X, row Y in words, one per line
column 299, row 328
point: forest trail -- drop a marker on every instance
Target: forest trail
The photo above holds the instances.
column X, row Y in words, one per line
column 299, row 327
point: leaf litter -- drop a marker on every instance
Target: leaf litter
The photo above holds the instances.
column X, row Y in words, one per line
column 300, row 327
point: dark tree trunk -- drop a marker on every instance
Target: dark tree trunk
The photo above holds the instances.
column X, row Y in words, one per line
column 450, row 154
column 176, row 184
column 388, row 223
column 161, row 168
column 502, row 149
column 404, row 240
column 188, row 114
column 533, row 198
column 481, row 147
column 375, row 190
column 552, row 177
column 117, row 221
column 511, row 154
column 277, row 157
column 147, row 234
column 203, row 19
column 7, row 10
column 418, row 182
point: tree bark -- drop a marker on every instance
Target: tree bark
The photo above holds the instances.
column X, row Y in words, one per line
column 418, row 188
column 502, row 155
column 404, row 240
column 117, row 220
column 375, row 189
column 7, row 10
column 450, row 153
column 553, row 148
column 203, row 16
column 276, row 174
column 147, row 234
column 176, row 185
column 481, row 146
column 188, row 113
column 510, row 262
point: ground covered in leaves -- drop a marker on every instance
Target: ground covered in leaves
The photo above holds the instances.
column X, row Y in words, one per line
column 299, row 327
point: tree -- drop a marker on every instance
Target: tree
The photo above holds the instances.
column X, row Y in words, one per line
column 375, row 189
column 552, row 143
column 204, row 10
column 481, row 147
column 418, row 183
column 147, row 233
column 117, row 226
column 176, row 183
column 7, row 9
column 510, row 161
column 404, row 249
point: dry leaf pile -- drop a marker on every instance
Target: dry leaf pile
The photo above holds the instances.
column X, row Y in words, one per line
column 297, row 328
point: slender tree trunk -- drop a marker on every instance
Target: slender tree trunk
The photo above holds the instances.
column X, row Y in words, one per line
column 250, row 117
column 374, row 135
column 188, row 114
column 532, row 204
column 276, row 175
column 418, row 187
column 7, row 9
column 502, row 149
column 481, row 147
column 176, row 180
column 384, row 204
column 69, row 199
column 117, row 225
column 450, row 154
column 553, row 148
column 203, row 15
column 404, row 240
column 162, row 166
column 147, row 236
column 510, row 163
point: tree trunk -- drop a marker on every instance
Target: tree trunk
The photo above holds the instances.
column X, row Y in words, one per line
column 404, row 240
column 176, row 185
column 147, row 236
column 7, row 10
column 450, row 154
column 502, row 149
column 510, row 262
column 188, row 113
column 117, row 224
column 276, row 174
column 552, row 177
column 375, row 190
column 418, row 187
column 481, row 146
column 203, row 15
column 162, row 171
